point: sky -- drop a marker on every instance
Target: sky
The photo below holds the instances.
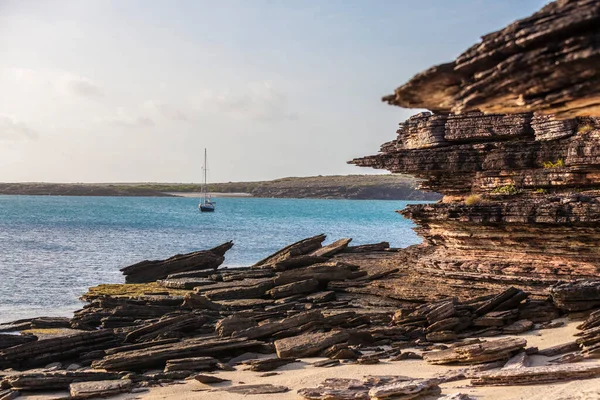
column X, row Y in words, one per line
column 133, row 91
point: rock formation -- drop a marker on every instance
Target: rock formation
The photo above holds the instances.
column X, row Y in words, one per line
column 149, row 271
column 546, row 62
column 522, row 200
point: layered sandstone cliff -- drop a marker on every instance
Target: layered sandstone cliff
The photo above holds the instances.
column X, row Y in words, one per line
column 522, row 200
column 547, row 62
column 514, row 145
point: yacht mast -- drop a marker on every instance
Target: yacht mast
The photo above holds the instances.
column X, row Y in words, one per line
column 205, row 187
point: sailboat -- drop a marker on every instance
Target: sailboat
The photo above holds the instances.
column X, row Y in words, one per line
column 206, row 205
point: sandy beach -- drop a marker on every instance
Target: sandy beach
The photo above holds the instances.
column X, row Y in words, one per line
column 303, row 375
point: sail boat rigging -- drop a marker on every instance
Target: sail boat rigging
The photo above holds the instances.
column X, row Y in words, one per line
column 206, row 204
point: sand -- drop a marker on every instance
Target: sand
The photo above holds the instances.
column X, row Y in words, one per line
column 301, row 375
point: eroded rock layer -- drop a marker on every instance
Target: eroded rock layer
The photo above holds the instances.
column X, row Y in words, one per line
column 546, row 62
column 521, row 193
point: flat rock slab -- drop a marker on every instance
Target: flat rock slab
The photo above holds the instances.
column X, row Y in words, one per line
column 268, row 364
column 9, row 394
column 477, row 353
column 257, row 389
column 269, row 328
column 158, row 356
column 536, row 375
column 519, row 361
column 559, row 349
column 184, row 283
column 406, row 390
column 326, row 363
column 456, row 396
column 84, row 390
column 350, row 389
column 332, row 248
column 209, row 379
column 520, row 326
column 323, row 272
column 54, row 380
column 149, row 271
column 294, row 288
column 299, row 248
column 308, row 344
column 240, row 292
column 192, row 364
column 42, row 352
column 321, row 297
column 576, row 296
column 8, row 340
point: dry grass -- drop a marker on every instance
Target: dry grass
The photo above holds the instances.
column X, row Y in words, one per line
column 585, row 128
column 44, row 331
column 473, row 199
column 130, row 290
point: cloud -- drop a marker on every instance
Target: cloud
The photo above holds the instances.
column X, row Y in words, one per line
column 167, row 111
column 23, row 74
column 258, row 101
column 80, row 86
column 126, row 120
column 13, row 129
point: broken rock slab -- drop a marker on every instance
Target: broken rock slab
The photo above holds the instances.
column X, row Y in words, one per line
column 8, row 340
column 302, row 247
column 350, row 389
column 150, row 271
column 559, row 349
column 537, row 375
column 256, row 389
column 268, row 364
column 332, row 248
column 209, row 379
column 269, row 328
column 477, row 353
column 157, row 357
column 9, row 394
column 322, row 272
column 85, row 390
column 406, row 390
column 309, row 344
column 192, row 364
column 54, row 380
column 576, row 296
column 291, row 289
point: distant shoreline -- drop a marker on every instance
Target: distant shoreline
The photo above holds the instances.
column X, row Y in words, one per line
column 353, row 187
column 213, row 194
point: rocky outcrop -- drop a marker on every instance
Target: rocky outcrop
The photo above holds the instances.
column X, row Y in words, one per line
column 341, row 309
column 546, row 62
column 522, row 200
column 149, row 271
column 42, row 352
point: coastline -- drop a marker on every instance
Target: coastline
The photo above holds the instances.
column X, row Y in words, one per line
column 334, row 303
column 213, row 194
column 359, row 187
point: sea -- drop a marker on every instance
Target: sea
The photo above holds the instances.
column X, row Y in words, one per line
column 52, row 248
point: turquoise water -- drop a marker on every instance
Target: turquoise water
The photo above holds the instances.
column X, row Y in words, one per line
column 52, row 248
